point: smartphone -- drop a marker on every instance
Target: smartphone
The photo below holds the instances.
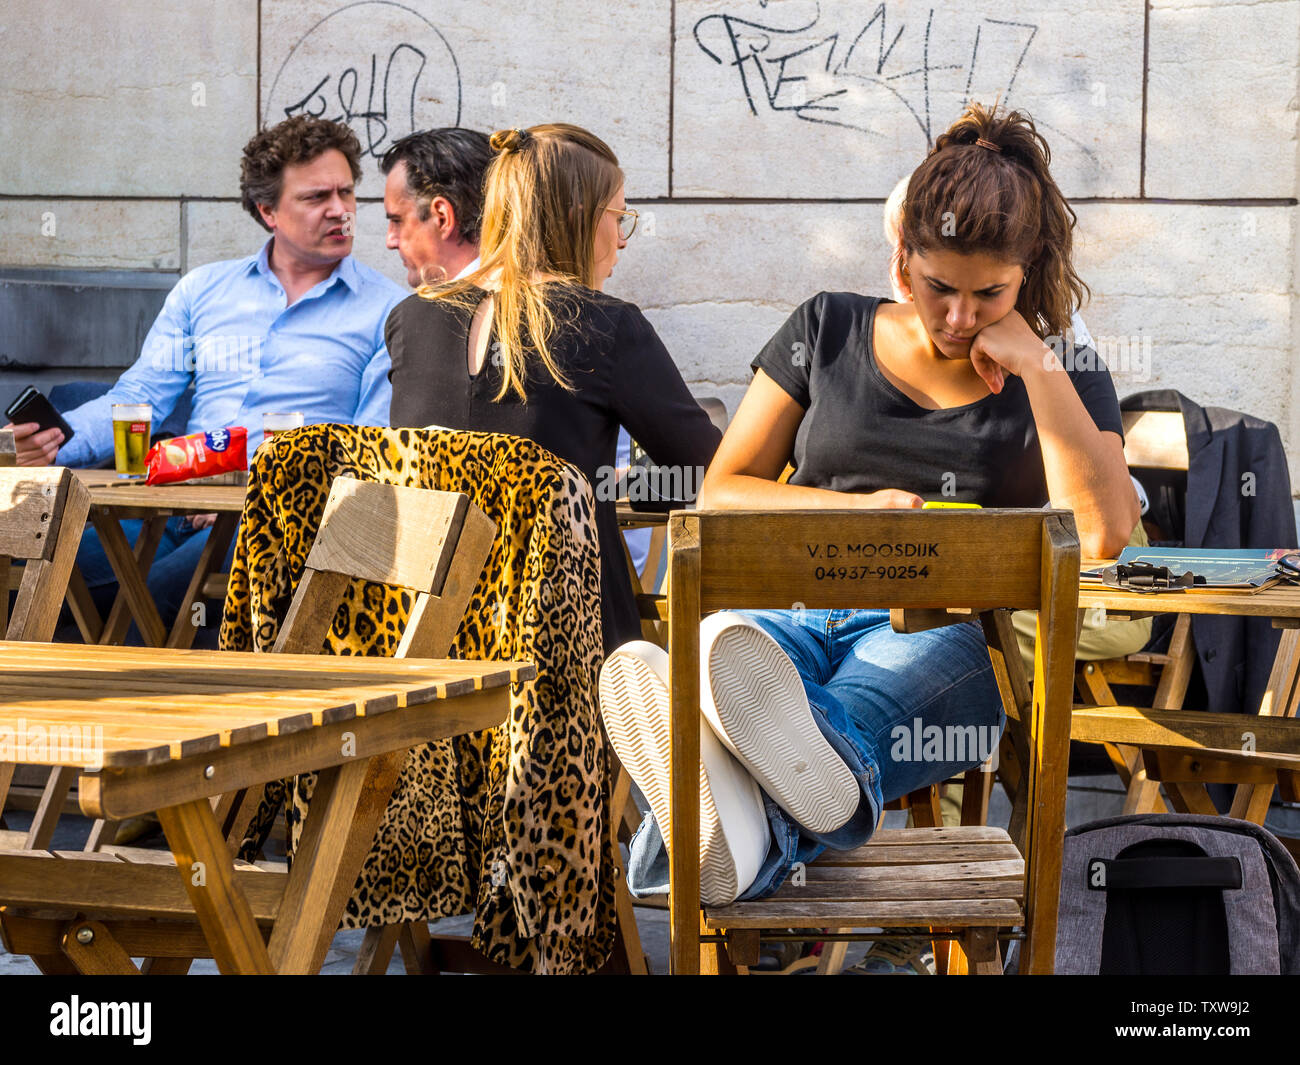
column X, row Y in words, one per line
column 31, row 406
column 936, row 504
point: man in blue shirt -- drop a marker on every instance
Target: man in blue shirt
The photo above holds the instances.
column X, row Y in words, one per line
column 297, row 327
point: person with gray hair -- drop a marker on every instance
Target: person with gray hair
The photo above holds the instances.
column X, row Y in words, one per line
column 433, row 197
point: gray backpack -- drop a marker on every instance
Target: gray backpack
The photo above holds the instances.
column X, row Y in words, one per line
column 1177, row 893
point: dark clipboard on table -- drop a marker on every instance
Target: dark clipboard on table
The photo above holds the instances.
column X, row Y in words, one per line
column 1178, row 569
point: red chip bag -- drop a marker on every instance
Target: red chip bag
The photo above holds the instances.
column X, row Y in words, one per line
column 182, row 458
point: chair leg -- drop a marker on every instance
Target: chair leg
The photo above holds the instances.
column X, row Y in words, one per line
column 977, row 788
column 980, row 945
column 1143, row 794
column 925, row 806
column 376, row 951
column 1190, row 798
column 416, row 945
column 47, row 813
column 628, row 956
column 102, row 834
column 955, row 961
column 714, row 959
column 833, row 953
column 1251, row 801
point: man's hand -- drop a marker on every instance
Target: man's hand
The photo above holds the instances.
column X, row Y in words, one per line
column 202, row 521
column 1006, row 346
column 36, row 448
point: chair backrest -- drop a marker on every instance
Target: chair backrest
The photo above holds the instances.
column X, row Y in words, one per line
column 1155, row 439
column 981, row 561
column 431, row 543
column 42, row 515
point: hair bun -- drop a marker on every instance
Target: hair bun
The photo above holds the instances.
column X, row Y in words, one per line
column 509, row 140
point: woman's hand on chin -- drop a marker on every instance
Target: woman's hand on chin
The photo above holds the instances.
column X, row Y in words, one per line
column 1007, row 346
column 890, row 499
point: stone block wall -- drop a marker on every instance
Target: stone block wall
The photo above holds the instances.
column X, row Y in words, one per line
column 759, row 141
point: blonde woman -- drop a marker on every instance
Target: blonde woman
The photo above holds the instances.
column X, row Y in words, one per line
column 530, row 345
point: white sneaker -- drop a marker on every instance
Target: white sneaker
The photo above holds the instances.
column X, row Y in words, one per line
column 750, row 692
column 734, row 836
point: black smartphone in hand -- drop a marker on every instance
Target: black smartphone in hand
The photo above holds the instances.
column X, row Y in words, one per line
column 32, row 406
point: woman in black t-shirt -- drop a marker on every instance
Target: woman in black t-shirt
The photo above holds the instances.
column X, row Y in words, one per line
column 958, row 395
column 529, row 345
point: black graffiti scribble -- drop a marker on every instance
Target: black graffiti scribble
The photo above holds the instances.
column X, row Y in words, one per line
column 375, row 115
column 779, row 80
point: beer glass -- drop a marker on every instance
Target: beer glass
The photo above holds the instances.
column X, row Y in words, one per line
column 280, row 422
column 131, row 422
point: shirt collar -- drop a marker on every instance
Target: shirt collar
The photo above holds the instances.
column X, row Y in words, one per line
column 346, row 271
column 470, row 267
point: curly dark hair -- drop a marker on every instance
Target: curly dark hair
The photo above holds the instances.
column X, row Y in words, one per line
column 449, row 162
column 299, row 139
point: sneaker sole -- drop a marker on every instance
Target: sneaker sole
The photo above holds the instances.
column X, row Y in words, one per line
column 634, row 703
column 761, row 713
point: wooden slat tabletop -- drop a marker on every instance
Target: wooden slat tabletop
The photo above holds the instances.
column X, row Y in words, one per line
column 1281, row 602
column 108, row 490
column 145, row 705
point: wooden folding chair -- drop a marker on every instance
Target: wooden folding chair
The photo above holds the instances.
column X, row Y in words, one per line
column 981, row 882
column 433, row 544
column 42, row 516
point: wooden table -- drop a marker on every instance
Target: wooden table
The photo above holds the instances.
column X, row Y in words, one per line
column 1276, row 732
column 173, row 728
column 113, row 501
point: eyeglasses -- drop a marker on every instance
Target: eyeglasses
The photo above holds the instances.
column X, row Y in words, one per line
column 626, row 222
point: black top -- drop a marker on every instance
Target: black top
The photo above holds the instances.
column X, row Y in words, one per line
column 622, row 373
column 862, row 434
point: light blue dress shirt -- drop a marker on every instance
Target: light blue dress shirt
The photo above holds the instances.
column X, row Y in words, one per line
column 227, row 327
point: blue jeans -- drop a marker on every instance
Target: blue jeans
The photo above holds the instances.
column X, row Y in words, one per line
column 173, row 565
column 904, row 710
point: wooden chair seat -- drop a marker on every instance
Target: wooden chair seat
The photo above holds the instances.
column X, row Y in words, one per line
column 960, row 877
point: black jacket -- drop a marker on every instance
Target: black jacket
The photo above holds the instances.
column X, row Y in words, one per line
column 1238, row 495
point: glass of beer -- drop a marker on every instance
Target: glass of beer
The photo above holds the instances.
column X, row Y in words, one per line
column 281, row 422
column 131, row 422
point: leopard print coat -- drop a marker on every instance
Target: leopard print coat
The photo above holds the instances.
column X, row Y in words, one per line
column 509, row 822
